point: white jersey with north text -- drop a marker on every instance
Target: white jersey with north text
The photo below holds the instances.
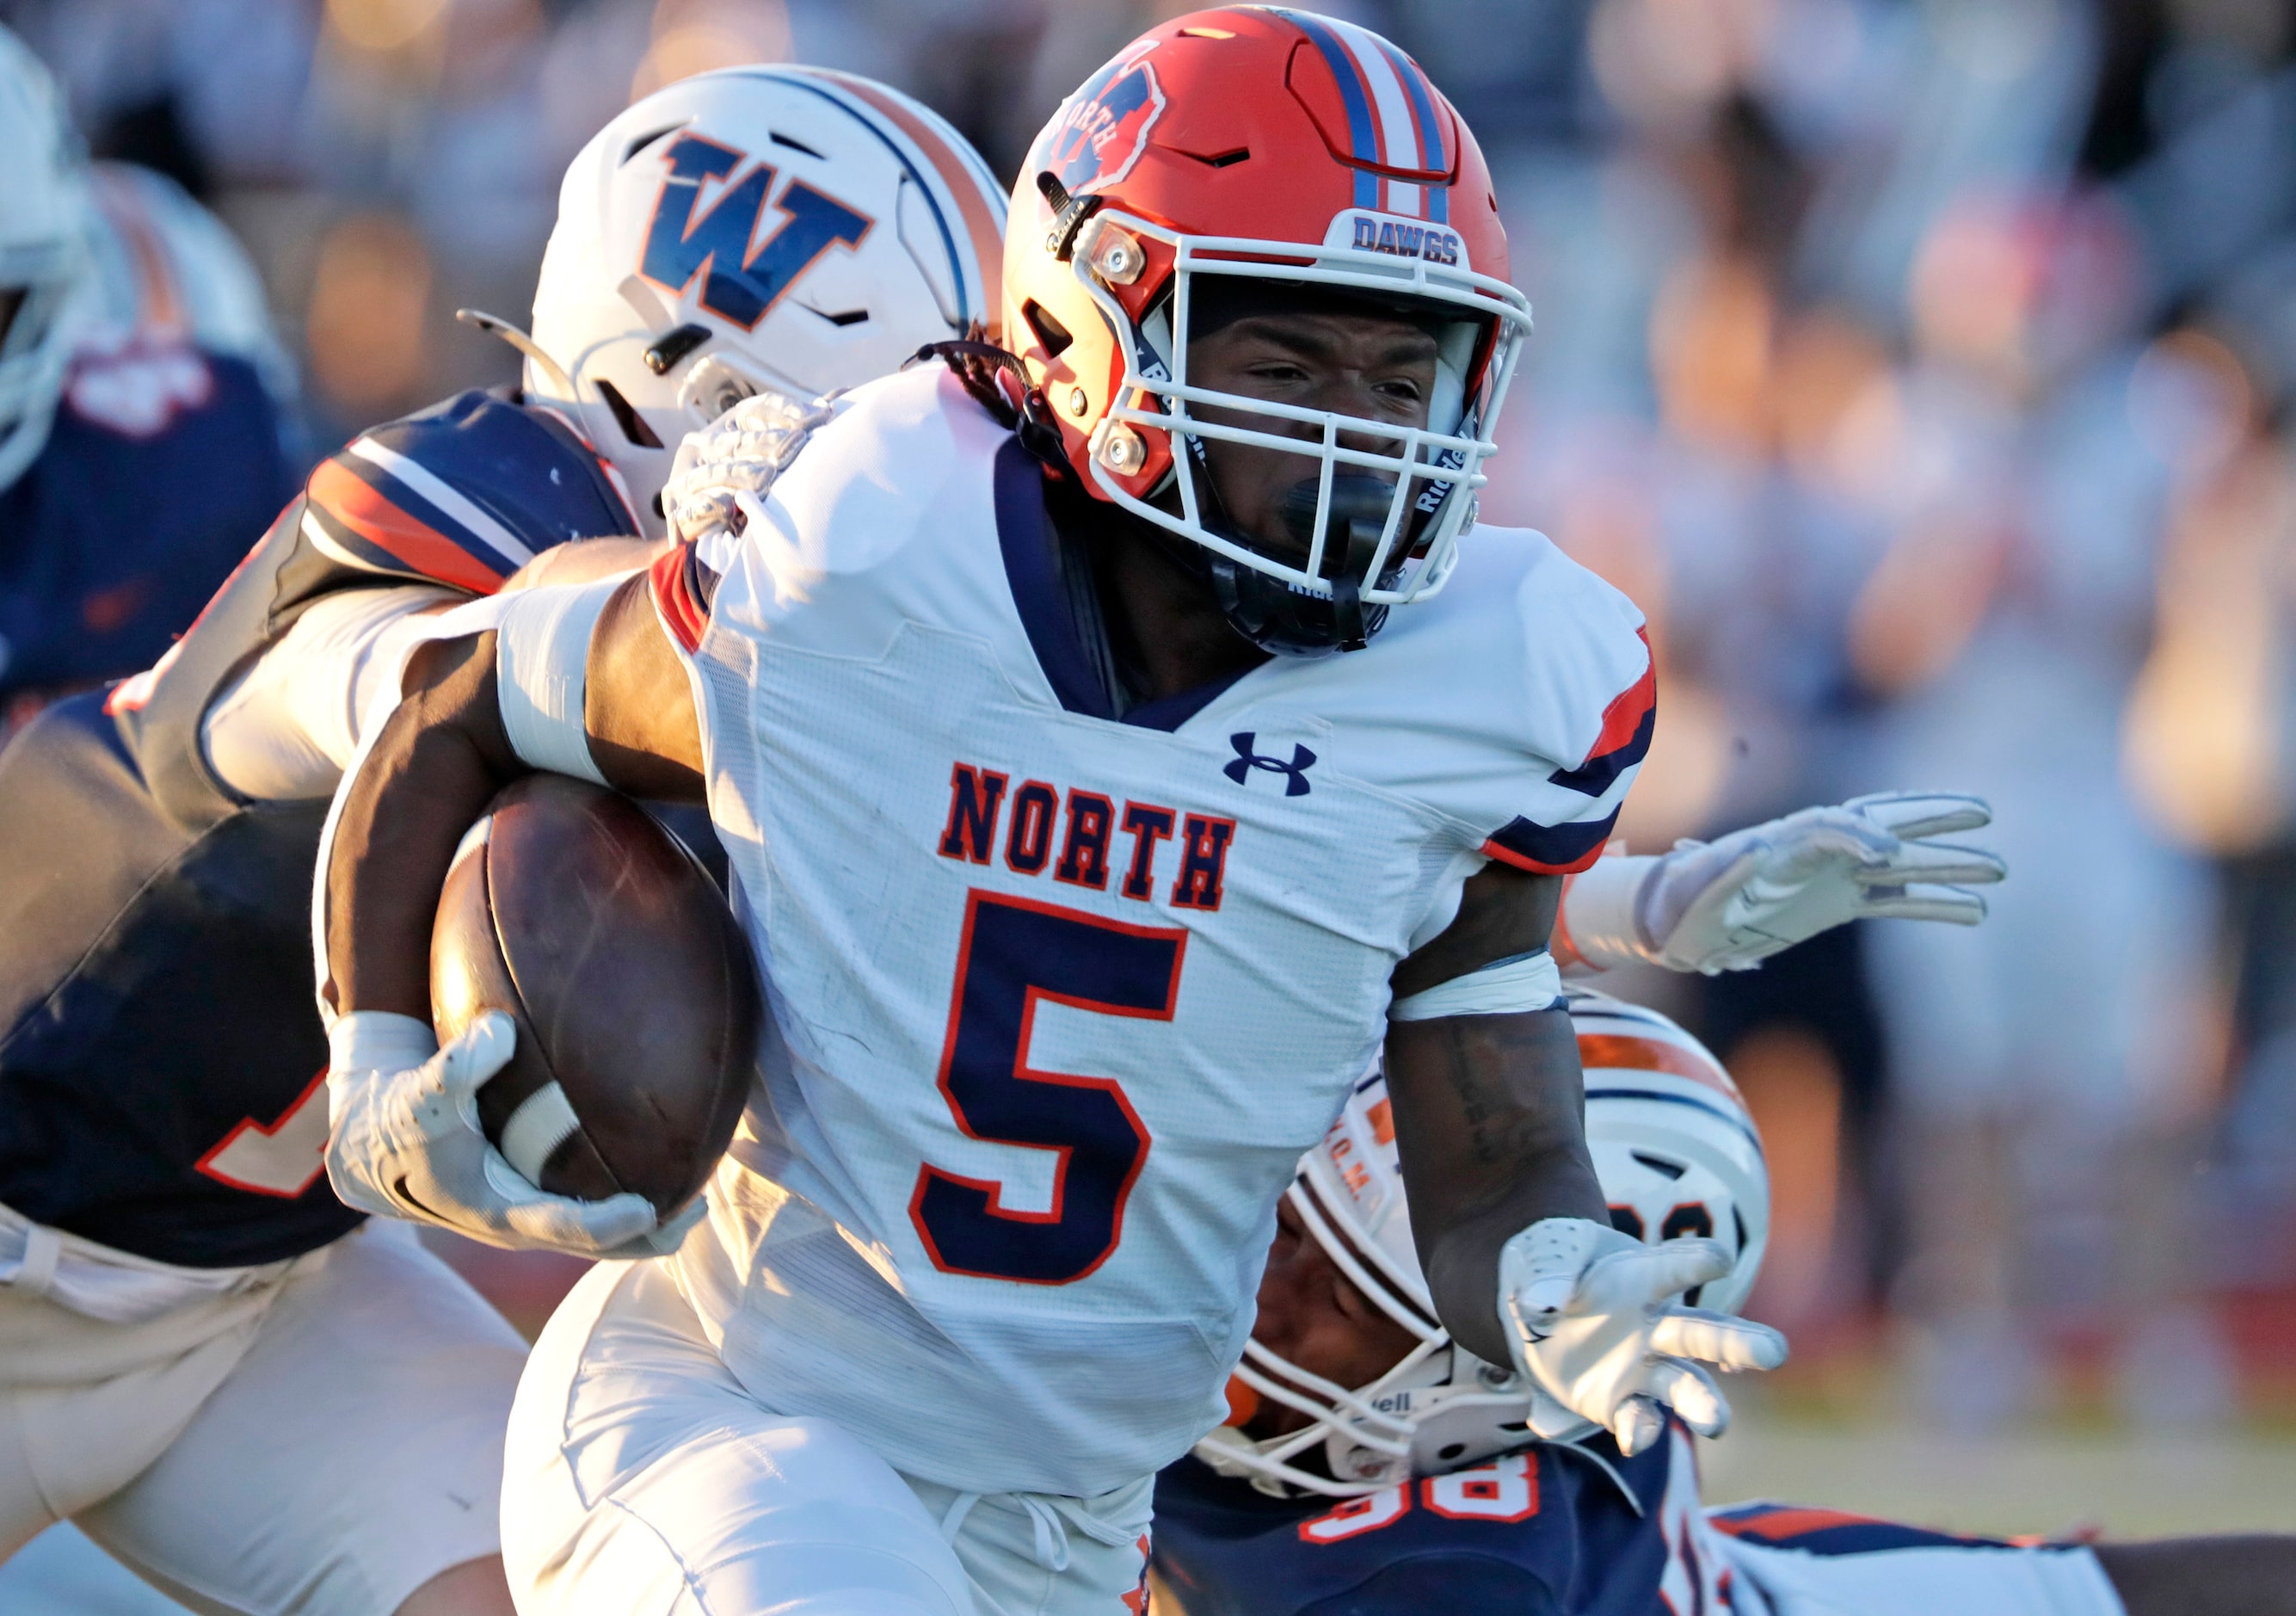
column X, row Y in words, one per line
column 1059, row 997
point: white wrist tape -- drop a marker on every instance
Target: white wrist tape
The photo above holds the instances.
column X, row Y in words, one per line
column 1598, row 910
column 379, row 1040
column 541, row 652
column 1506, row 986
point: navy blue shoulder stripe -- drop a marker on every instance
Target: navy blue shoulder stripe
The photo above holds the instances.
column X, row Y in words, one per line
column 1550, row 850
column 519, row 466
column 1600, row 773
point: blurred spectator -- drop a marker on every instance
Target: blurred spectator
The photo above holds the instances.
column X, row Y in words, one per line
column 2043, row 1058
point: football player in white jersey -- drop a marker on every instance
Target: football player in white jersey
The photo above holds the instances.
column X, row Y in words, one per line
column 205, row 1360
column 1144, row 682
column 1370, row 1466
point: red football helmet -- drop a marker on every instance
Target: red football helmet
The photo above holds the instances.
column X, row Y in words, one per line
column 1285, row 148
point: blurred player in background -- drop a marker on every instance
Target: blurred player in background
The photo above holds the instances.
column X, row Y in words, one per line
column 135, row 357
column 205, row 1360
column 1373, row 1467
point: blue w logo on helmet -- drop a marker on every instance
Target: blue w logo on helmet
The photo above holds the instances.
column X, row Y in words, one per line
column 738, row 285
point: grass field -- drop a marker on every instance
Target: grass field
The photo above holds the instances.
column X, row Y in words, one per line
column 2051, row 1481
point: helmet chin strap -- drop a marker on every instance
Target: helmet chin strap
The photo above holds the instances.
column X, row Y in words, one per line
column 978, row 365
column 1270, row 612
column 496, row 326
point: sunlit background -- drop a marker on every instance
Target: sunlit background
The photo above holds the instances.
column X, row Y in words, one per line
column 1920, row 366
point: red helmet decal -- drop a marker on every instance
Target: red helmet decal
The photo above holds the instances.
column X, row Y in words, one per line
column 1104, row 128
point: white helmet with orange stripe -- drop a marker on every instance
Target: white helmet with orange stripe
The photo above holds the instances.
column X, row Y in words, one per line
column 770, row 229
column 1677, row 1153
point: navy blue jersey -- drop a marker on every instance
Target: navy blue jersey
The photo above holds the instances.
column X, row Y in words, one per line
column 163, row 464
column 1831, row 1532
column 1557, row 1530
column 160, row 1050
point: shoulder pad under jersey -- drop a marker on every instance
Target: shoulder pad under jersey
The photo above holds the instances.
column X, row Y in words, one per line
column 1587, row 662
column 463, row 493
column 1519, row 702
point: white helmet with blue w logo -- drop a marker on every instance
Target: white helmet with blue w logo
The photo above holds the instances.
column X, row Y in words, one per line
column 1677, row 1155
column 768, row 228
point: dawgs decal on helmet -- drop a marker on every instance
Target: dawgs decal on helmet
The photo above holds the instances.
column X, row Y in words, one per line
column 686, row 240
column 1105, row 128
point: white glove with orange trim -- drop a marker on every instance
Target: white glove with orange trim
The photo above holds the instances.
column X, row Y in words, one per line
column 1593, row 1322
column 740, row 453
column 1729, row 904
column 404, row 1142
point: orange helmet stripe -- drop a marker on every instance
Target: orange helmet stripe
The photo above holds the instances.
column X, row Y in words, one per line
column 979, row 223
column 1624, row 1052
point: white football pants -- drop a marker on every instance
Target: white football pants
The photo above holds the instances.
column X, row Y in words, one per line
column 642, row 1478
column 1965, row 1580
column 325, row 1444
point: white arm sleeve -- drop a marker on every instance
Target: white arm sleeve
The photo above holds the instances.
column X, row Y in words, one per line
column 1601, row 911
column 287, row 725
column 542, row 652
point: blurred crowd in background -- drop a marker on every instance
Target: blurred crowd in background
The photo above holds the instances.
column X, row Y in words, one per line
column 1920, row 366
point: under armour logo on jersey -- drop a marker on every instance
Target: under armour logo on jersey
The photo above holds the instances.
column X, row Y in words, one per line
column 1294, row 772
column 737, row 285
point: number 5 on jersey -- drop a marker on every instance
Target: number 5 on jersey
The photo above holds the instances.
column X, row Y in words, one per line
column 1015, row 955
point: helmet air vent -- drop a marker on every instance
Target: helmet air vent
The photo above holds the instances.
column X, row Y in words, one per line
column 642, row 141
column 1049, row 330
column 633, row 425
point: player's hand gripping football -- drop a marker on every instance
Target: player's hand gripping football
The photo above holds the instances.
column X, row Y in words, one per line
column 739, row 453
column 404, row 1142
column 1728, row 904
column 1596, row 1322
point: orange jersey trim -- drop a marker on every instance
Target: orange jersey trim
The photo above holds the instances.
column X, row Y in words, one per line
column 359, row 506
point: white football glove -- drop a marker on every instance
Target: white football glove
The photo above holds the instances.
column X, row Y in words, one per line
column 742, row 452
column 1593, row 1322
column 1729, row 904
column 405, row 1143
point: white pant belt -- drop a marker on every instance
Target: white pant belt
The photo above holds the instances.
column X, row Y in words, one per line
column 116, row 1289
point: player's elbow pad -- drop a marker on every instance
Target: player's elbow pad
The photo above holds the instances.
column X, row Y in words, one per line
column 1505, row 986
column 542, row 652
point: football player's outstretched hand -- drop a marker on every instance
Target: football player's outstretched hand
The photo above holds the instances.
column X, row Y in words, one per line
column 404, row 1142
column 742, row 452
column 1726, row 905
column 1596, row 1322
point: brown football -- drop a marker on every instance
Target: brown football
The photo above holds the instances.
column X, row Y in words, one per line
column 629, row 978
